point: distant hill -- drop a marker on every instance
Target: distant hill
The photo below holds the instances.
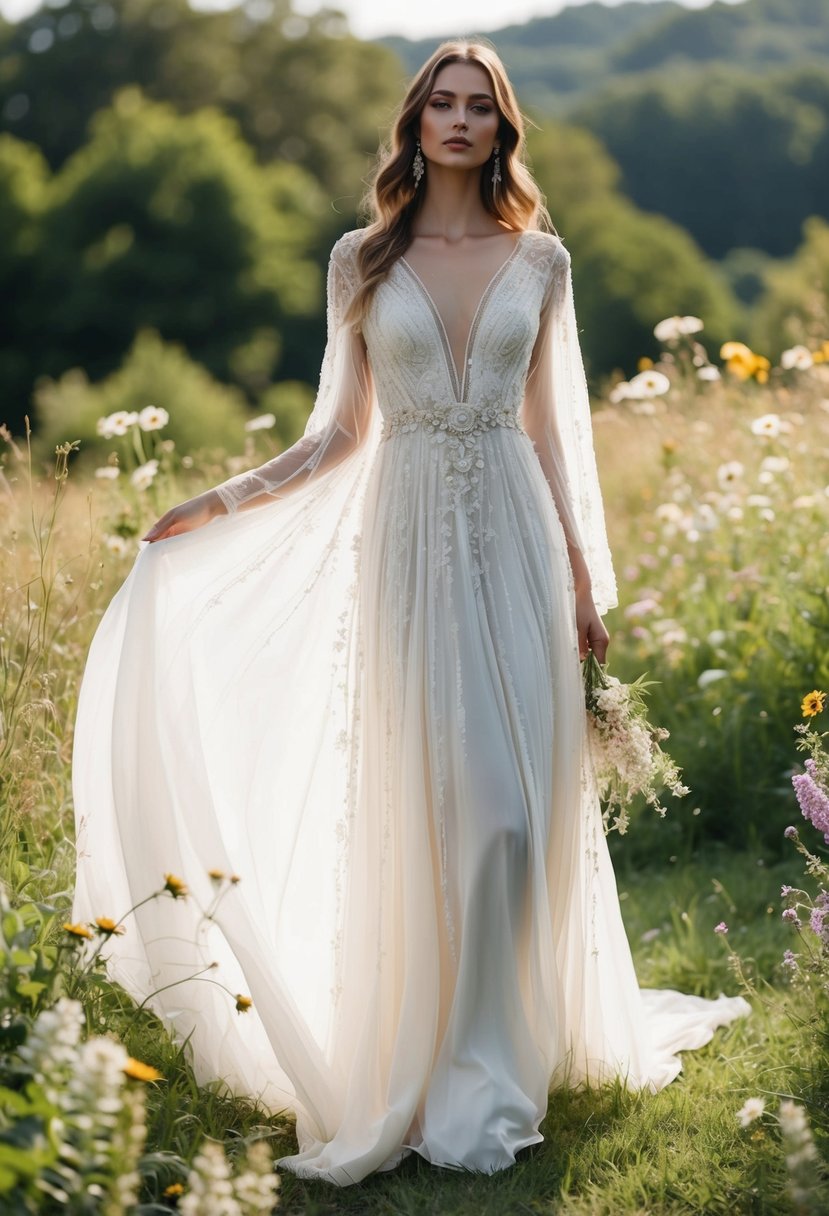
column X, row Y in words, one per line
column 557, row 62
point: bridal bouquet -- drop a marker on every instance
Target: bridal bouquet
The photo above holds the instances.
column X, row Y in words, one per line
column 625, row 748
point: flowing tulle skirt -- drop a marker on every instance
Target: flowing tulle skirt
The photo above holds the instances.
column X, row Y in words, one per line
column 365, row 701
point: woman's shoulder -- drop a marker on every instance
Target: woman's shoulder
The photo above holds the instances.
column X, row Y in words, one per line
column 547, row 244
column 346, row 246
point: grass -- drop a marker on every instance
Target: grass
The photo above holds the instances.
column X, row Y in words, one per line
column 608, row 1150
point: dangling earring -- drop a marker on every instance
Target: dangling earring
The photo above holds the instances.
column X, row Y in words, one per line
column 418, row 166
column 496, row 168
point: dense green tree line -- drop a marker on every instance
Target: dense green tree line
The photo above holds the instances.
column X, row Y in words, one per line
column 738, row 161
column 301, row 89
column 171, row 181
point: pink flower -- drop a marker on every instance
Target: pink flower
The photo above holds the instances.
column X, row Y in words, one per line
column 722, row 927
column 814, row 802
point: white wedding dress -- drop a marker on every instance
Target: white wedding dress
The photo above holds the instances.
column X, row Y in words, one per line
column 364, row 698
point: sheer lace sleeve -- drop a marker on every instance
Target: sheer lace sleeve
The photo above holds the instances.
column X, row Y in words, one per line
column 340, row 419
column 556, row 415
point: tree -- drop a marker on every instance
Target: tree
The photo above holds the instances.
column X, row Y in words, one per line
column 23, row 181
column 795, row 305
column 630, row 269
column 166, row 222
column 737, row 161
column 301, row 88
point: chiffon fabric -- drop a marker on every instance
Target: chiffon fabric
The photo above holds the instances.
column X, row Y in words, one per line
column 359, row 693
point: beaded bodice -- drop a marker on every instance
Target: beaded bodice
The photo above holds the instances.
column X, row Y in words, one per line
column 414, row 371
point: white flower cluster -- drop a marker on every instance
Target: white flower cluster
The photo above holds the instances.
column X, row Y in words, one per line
column 627, row 758
column 151, row 418
column 100, row 1126
column 51, row 1049
column 213, row 1191
column 801, row 1154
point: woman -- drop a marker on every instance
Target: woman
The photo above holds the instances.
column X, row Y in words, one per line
column 365, row 700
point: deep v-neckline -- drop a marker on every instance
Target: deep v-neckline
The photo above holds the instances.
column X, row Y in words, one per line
column 459, row 381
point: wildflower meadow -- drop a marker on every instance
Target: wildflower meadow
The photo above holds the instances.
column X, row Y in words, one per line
column 715, row 466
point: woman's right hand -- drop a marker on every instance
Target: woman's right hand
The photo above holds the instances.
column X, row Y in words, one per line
column 187, row 516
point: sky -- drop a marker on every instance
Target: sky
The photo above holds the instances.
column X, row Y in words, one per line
column 415, row 19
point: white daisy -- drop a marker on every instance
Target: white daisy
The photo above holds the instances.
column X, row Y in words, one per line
column 650, row 383
column 673, row 328
column 768, row 425
column 142, row 477
column 153, row 418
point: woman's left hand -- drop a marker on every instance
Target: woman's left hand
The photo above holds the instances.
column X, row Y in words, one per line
column 592, row 633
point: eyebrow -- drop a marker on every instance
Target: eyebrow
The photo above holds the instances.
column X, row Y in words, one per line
column 449, row 93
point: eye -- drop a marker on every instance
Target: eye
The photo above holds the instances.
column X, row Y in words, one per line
column 484, row 109
column 438, row 105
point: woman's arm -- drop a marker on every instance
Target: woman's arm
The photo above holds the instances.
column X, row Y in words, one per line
column 346, row 376
column 540, row 414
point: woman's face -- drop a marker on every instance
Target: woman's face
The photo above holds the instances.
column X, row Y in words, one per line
column 459, row 123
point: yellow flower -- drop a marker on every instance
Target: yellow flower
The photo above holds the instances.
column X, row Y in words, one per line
column 669, row 446
column 107, row 926
column 742, row 362
column 243, row 1003
column 176, row 886
column 139, row 1071
column 78, row 930
column 216, row 875
column 644, row 364
column 172, row 1191
column 813, row 703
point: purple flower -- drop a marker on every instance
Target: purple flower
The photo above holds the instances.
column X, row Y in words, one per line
column 790, row 915
column 790, row 832
column 784, row 891
column 816, row 920
column 722, row 927
column 814, row 803
column 790, row 960
column 822, row 900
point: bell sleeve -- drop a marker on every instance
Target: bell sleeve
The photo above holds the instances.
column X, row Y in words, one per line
column 341, row 417
column 555, row 413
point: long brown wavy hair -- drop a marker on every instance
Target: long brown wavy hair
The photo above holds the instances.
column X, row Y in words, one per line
column 392, row 202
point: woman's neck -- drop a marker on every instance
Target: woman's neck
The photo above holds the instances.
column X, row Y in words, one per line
column 452, row 208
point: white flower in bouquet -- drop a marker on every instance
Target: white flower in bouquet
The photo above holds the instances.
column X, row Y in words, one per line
column 628, row 761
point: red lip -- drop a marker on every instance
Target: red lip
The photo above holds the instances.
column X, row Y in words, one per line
column 457, row 143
